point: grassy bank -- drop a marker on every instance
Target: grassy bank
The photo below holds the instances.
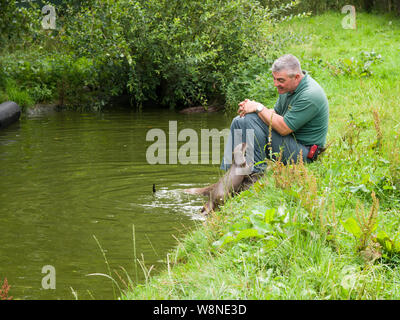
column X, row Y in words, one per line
column 328, row 230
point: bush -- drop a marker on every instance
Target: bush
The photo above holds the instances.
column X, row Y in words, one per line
column 46, row 77
column 174, row 52
column 253, row 81
column 169, row 52
column 18, row 24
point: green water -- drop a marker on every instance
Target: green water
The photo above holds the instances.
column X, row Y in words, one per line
column 67, row 177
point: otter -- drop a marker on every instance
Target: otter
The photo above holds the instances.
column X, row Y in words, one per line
column 228, row 184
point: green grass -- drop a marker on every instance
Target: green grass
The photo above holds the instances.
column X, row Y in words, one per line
column 305, row 251
column 14, row 93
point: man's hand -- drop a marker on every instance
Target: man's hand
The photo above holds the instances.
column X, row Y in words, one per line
column 247, row 106
column 268, row 116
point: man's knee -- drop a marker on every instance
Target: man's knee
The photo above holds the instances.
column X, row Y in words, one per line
column 249, row 121
column 237, row 122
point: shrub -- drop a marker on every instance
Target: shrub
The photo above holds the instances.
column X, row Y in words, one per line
column 169, row 52
column 173, row 52
column 18, row 24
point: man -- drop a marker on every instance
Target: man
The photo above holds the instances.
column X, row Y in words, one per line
column 298, row 121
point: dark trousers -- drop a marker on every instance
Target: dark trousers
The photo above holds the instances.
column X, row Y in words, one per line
column 252, row 130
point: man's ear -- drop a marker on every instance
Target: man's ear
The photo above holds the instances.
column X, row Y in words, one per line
column 297, row 77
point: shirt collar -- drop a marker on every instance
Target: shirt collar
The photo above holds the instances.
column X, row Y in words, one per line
column 301, row 84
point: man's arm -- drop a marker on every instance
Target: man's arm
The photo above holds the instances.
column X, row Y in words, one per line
column 269, row 116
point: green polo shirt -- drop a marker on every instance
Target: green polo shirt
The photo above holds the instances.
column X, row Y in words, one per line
column 305, row 111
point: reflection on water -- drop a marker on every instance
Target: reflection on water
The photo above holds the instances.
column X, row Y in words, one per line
column 67, row 177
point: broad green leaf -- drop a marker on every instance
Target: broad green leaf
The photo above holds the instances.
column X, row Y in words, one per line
column 351, row 225
column 260, row 225
column 241, row 225
column 269, row 215
column 248, row 233
column 361, row 187
column 381, row 236
column 388, row 245
column 227, row 238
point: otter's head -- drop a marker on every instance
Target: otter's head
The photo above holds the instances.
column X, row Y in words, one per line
column 239, row 155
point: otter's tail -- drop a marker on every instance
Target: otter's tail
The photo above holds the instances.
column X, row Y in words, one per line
column 203, row 191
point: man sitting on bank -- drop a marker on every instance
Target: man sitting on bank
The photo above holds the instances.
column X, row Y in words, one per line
column 299, row 120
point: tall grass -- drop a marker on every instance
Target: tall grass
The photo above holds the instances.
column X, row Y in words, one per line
column 14, row 93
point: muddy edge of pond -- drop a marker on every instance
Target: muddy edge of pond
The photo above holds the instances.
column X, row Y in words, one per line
column 57, row 106
column 44, row 107
column 201, row 109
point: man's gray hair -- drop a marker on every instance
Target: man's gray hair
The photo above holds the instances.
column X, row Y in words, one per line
column 288, row 63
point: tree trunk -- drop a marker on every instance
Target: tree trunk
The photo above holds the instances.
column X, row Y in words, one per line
column 368, row 4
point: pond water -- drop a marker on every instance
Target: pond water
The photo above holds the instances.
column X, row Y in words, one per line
column 69, row 178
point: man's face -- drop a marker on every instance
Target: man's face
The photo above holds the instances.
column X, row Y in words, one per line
column 284, row 83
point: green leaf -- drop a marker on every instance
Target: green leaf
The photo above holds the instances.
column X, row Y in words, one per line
column 248, row 233
column 361, row 187
column 241, row 225
column 259, row 224
column 396, row 246
column 388, row 245
column 381, row 236
column 227, row 238
column 263, row 227
column 269, row 215
column 351, row 225
column 347, row 62
column 243, row 194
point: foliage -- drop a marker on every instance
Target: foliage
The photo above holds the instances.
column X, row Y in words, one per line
column 18, row 95
column 391, row 246
column 45, row 78
column 263, row 223
column 18, row 24
column 4, row 290
column 318, row 7
column 174, row 52
column 364, row 226
column 253, row 79
column 167, row 52
column 358, row 68
column 352, row 67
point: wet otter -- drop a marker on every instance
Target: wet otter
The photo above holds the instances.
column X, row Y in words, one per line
column 228, row 184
